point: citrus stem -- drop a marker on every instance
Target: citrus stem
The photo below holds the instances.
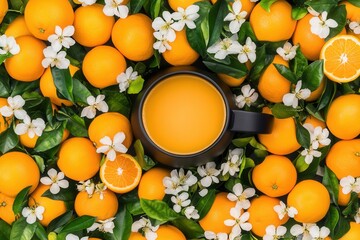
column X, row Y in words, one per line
column 357, row 154
column 3, row 204
column 274, row 186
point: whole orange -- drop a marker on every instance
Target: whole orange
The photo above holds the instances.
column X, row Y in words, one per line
column 344, row 111
column 42, row 16
column 109, row 124
column 92, row 26
column 102, row 65
column 4, row 6
column 218, row 213
column 168, row 232
column 262, row 214
column 282, row 139
column 78, row 159
column 133, row 37
column 275, row 176
column 151, row 184
column 275, row 25
column 102, row 206
column 18, row 171
column 26, row 65
column 272, row 85
column 311, row 199
column 6, row 211
column 181, row 53
column 344, row 158
column 53, row 208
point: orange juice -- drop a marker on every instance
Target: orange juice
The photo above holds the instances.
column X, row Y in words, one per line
column 184, row 114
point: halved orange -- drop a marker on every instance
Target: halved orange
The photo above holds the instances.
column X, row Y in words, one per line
column 121, row 175
column 341, row 56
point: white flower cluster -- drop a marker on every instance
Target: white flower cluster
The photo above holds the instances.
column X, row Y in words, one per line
column 26, row 125
column 111, row 147
column 282, row 210
column 350, row 184
column 55, row 180
column 308, row 231
column 248, row 96
column 106, row 226
column 292, row 99
column 97, row 103
column 33, row 213
column 91, row 188
column 288, row 51
column 54, row 55
column 320, row 24
column 166, row 26
column 209, row 175
column 115, row 8
column 234, row 160
column 319, row 137
column 144, row 226
column 178, row 185
column 8, row 45
column 124, row 79
column 71, row 236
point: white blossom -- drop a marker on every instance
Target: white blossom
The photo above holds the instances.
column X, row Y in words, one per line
column 180, row 201
column 302, row 231
column 115, row 7
column 282, row 210
column 54, row 58
column 238, row 223
column 288, row 51
column 355, row 27
column 224, row 47
column 241, row 196
column 236, row 17
column 97, row 103
column 208, row 173
column 14, row 107
column 320, row 25
column 62, row 38
column 292, row 99
column 111, row 147
column 71, row 236
column 319, row 233
column 179, row 181
column 56, row 180
column 248, row 96
column 318, row 136
column 162, row 43
column 164, row 25
column 310, row 154
column 350, row 184
column 234, row 159
column 124, row 79
column 191, row 213
column 33, row 213
column 8, row 45
column 185, row 17
column 357, row 216
column 247, row 51
column 87, row 2
column 144, row 225
column 30, row 127
column 87, row 186
column 274, row 233
column 106, row 226
column 215, row 236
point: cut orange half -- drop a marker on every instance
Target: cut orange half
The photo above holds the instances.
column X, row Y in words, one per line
column 341, row 56
column 121, row 175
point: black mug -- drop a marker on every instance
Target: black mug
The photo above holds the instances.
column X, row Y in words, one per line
column 185, row 117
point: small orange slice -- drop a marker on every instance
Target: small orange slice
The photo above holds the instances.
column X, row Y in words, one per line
column 341, row 56
column 121, row 175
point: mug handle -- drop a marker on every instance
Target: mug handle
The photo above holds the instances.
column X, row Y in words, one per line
column 250, row 122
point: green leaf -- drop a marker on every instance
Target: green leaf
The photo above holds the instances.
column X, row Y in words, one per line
column 20, row 88
column 337, row 13
column 190, row 228
column 266, row 4
column 40, row 232
column 78, row 224
column 136, row 86
column 342, row 227
column 63, row 82
column 204, row 204
column 245, row 32
column 5, row 230
column 256, row 144
column 355, row 2
column 196, row 39
column 123, row 222
column 313, row 75
column 60, row 221
column 302, row 135
column 234, row 68
column 247, row 163
column 80, row 91
column 155, row 8
column 353, row 205
column 21, row 230
column 145, row 162
column 311, row 109
column 3, row 57
column 261, row 63
column 67, row 195
column 331, row 182
column 136, row 5
column 241, row 142
column 298, row 13
column 216, row 21
column 322, row 5
column 9, row 140
column 76, row 126
column 21, row 200
column 299, row 63
column 158, row 210
column 300, row 164
column 332, row 218
column 279, row 110
column 286, row 72
column 117, row 102
column 4, row 83
column 327, row 96
column 50, row 138
column 17, row 5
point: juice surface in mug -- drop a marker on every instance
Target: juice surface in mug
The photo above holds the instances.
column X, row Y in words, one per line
column 184, row 114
